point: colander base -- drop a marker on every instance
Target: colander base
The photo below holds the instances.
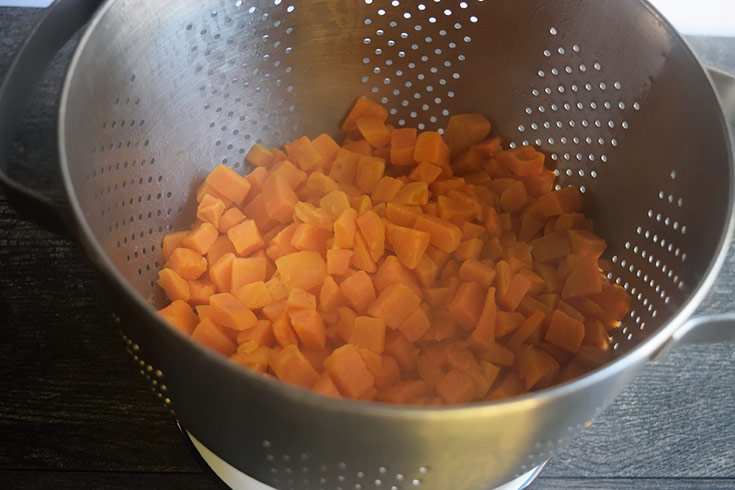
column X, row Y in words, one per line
column 230, row 477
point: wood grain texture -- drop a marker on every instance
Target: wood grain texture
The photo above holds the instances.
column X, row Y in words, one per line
column 632, row 483
column 78, row 480
column 74, row 413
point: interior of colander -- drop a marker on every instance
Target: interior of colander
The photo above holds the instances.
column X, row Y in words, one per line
column 159, row 95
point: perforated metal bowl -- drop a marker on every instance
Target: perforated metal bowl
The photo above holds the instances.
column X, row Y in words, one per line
column 158, row 93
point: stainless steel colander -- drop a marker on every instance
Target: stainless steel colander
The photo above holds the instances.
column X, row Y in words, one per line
column 158, row 93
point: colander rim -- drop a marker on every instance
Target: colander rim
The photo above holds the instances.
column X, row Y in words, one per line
column 641, row 352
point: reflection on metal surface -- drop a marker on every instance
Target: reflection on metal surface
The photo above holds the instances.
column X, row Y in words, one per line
column 298, row 478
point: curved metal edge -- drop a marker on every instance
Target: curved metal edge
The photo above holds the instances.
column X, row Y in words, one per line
column 534, row 473
column 228, row 477
column 58, row 24
column 724, row 85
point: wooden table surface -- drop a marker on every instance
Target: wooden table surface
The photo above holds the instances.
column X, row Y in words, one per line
column 75, row 413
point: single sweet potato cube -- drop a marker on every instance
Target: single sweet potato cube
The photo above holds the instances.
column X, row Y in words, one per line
column 430, row 147
column 283, row 330
column 214, row 336
column 334, row 203
column 456, row 387
column 416, row 325
column 302, row 153
column 364, row 107
column 369, row 172
column 171, row 242
column 404, row 391
column 291, row 366
column 533, row 365
column 201, row 238
column 348, row 371
column 330, row 296
column 514, row 198
column 279, row 199
column 338, row 260
column 261, row 333
column 309, row 237
column 187, row 263
column 386, row 189
column 180, row 315
column 401, row 215
column 344, row 167
column 298, row 298
column 368, row 332
column 175, row 286
column 317, row 185
column 361, row 258
column 476, row 271
column 358, row 290
column 326, row 386
column 526, row 329
column 210, row 209
column 550, row 247
column 467, row 305
column 394, row 304
column 565, row 332
column 276, row 287
column 229, row 183
column 345, row 228
column 372, row 231
column 200, row 290
column 256, row 210
column 256, row 358
column 425, row 172
column 467, row 162
column 402, row 146
column 308, row 213
column 359, row 147
column 522, row 161
column 374, row 130
column 517, row 288
column 391, row 271
column 220, row 272
column 229, row 312
column 260, row 156
column 585, row 278
column 287, row 171
column 305, row 269
column 328, row 149
column 565, row 200
column 308, row 325
column 443, row 234
column 465, row 130
column 254, row 295
column 426, row 271
column 229, row 219
column 483, row 335
column 408, row 244
column 246, row 237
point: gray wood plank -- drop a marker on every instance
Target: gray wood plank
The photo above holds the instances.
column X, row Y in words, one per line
column 73, row 480
column 630, row 483
column 71, row 396
column 675, row 419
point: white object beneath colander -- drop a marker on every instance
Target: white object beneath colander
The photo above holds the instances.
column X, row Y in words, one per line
column 237, row 480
